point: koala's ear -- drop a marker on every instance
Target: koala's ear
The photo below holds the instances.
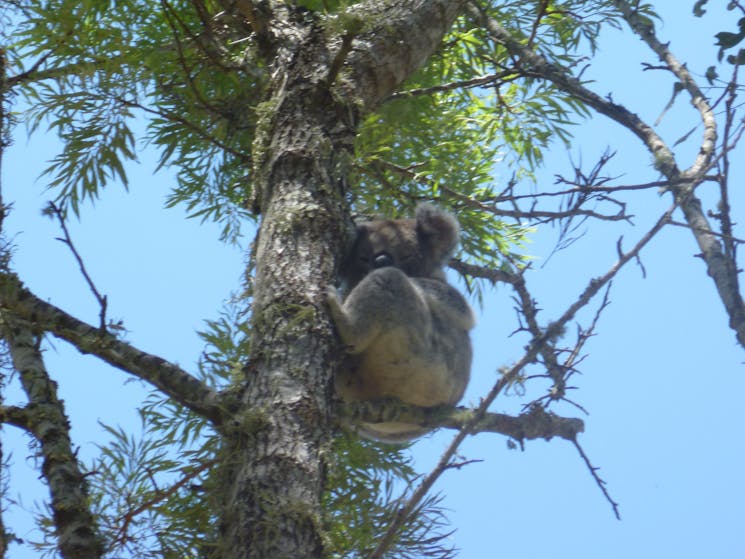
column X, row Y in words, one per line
column 437, row 230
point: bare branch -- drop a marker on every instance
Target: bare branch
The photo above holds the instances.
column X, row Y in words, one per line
column 544, row 216
column 597, row 283
column 724, row 215
column 490, row 204
column 600, row 483
column 588, row 188
column 102, row 300
column 644, row 27
column 529, row 311
column 535, row 424
column 175, row 382
column 585, row 335
column 731, row 241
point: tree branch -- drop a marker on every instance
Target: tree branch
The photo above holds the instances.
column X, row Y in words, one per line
column 17, row 417
column 643, row 27
column 722, row 269
column 398, row 39
column 74, row 525
column 489, row 274
column 52, row 209
column 175, row 382
column 535, row 65
column 600, row 483
column 535, row 424
column 489, row 80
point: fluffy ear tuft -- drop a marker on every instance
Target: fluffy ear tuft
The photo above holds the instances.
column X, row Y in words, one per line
column 438, row 232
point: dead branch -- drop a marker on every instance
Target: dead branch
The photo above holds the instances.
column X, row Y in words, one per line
column 598, row 480
column 17, row 417
column 52, row 209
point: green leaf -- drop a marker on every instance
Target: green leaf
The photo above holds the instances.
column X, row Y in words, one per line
column 727, row 40
column 698, row 8
column 737, row 60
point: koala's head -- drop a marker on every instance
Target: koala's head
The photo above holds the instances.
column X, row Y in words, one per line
column 420, row 247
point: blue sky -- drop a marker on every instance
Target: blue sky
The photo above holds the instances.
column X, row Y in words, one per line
column 663, row 381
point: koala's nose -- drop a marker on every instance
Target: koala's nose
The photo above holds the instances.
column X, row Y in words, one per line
column 383, row 259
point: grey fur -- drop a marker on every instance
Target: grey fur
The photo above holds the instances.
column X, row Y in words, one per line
column 405, row 328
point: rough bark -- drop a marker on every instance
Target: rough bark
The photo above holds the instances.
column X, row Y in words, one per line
column 274, row 447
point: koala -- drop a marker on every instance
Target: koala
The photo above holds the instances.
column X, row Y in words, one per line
column 404, row 327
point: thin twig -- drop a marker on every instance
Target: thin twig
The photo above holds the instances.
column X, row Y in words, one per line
column 490, row 79
column 52, row 209
column 730, row 246
column 167, row 377
column 159, row 496
column 600, row 483
column 729, row 239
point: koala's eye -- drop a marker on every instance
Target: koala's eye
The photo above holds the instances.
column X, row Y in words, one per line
column 382, row 259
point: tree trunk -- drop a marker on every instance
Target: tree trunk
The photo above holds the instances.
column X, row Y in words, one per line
column 274, row 449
